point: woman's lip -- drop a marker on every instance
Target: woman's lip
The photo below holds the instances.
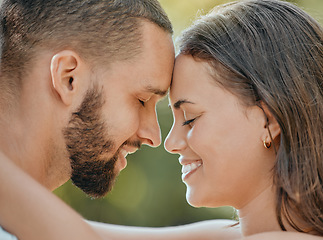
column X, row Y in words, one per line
column 184, row 161
column 189, row 166
column 189, row 169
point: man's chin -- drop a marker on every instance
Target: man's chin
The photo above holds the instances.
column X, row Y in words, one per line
column 95, row 178
column 96, row 189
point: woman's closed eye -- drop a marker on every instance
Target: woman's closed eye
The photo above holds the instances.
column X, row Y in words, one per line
column 188, row 122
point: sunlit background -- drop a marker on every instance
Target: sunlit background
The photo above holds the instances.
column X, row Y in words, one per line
column 149, row 192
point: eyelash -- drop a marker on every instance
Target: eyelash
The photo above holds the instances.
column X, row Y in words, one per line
column 188, row 122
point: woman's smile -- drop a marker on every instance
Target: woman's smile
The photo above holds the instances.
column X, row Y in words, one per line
column 189, row 167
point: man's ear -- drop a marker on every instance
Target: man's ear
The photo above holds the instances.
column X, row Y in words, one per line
column 64, row 71
column 271, row 126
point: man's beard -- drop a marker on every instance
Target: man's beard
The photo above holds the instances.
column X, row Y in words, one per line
column 88, row 147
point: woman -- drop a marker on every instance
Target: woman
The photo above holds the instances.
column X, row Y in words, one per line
column 247, row 102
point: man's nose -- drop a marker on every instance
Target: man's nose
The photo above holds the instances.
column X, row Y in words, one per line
column 149, row 130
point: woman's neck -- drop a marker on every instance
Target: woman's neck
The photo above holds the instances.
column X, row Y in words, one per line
column 259, row 215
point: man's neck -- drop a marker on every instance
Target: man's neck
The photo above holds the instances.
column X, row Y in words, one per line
column 25, row 143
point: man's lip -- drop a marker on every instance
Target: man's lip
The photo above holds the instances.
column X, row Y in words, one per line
column 127, row 150
column 124, row 151
column 122, row 161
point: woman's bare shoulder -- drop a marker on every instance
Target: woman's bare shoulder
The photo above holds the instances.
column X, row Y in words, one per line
column 283, row 236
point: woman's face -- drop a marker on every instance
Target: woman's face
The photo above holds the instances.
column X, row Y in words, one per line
column 220, row 141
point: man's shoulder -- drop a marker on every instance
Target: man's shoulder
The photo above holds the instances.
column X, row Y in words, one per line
column 5, row 235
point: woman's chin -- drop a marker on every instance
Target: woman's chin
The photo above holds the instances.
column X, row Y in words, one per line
column 197, row 200
column 194, row 200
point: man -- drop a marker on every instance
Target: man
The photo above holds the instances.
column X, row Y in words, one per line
column 79, row 84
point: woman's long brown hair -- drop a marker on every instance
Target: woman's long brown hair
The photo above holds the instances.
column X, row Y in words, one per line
column 272, row 52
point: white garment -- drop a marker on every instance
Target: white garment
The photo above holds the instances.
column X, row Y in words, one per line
column 6, row 236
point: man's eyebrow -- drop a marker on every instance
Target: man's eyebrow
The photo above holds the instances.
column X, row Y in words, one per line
column 178, row 104
column 156, row 91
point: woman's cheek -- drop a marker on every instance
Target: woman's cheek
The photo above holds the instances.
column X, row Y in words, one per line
column 195, row 138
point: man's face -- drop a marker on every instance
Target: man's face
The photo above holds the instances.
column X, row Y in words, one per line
column 119, row 113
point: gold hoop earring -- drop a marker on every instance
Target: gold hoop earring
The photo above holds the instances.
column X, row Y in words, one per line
column 267, row 145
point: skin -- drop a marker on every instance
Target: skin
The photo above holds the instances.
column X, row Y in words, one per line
column 35, row 140
column 221, row 135
column 215, row 131
column 256, row 208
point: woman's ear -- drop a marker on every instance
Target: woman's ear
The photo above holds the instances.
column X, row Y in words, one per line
column 64, row 71
column 271, row 126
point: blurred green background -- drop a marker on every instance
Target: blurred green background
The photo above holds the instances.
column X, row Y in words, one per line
column 149, row 192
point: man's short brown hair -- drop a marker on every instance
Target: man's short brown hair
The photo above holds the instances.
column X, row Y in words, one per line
column 100, row 31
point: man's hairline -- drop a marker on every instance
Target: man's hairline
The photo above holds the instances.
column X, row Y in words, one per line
column 141, row 20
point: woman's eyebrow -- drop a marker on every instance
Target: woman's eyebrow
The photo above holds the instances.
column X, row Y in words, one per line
column 180, row 102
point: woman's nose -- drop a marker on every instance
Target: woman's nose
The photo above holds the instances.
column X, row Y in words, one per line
column 175, row 141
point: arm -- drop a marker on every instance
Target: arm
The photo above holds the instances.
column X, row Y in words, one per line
column 31, row 212
column 212, row 229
